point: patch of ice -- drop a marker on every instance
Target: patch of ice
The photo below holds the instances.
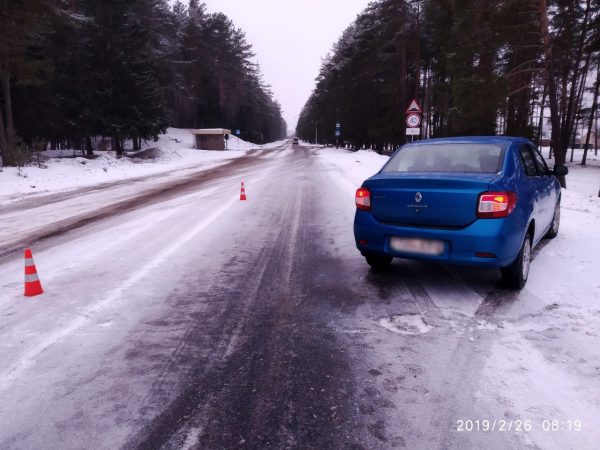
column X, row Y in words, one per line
column 408, row 324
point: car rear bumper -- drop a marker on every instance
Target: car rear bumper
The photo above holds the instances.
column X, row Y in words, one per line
column 499, row 237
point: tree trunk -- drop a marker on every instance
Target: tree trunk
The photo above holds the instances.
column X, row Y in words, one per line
column 8, row 131
column 426, row 104
column 592, row 114
column 578, row 103
column 418, row 55
column 596, row 134
column 113, row 144
column 573, row 137
column 577, row 82
column 559, row 151
column 3, row 141
column 541, row 121
column 119, row 146
column 89, row 151
column 10, row 128
column 88, row 146
column 401, row 37
column 221, row 81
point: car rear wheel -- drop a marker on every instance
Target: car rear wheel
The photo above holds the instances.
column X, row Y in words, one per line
column 515, row 275
column 378, row 261
column 553, row 231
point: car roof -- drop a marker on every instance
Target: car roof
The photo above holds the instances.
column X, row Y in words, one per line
column 473, row 140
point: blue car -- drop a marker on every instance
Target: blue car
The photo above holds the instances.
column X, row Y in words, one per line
column 481, row 201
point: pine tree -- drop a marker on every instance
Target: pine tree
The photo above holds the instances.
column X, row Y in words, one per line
column 21, row 21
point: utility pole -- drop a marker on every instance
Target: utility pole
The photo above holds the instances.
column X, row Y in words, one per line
column 338, row 131
column 316, row 133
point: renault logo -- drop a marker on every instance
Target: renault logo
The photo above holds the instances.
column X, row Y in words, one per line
column 418, row 197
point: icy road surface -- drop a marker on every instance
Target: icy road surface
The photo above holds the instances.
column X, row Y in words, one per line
column 176, row 316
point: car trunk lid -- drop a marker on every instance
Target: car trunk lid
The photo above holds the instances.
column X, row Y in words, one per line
column 428, row 200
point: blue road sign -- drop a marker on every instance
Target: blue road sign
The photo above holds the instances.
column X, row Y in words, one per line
column 237, row 132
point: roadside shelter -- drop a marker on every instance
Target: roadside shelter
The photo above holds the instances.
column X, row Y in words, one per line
column 210, row 138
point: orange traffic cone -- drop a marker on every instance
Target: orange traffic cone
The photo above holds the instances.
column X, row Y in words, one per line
column 33, row 286
column 243, row 192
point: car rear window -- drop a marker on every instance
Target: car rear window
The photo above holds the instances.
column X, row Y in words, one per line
column 465, row 158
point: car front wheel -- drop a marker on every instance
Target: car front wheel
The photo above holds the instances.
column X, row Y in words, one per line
column 553, row 231
column 515, row 275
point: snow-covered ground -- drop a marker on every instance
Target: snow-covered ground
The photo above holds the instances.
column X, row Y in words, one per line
column 582, row 179
column 174, row 151
column 538, row 351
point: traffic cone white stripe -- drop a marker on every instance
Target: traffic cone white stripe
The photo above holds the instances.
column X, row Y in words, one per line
column 31, row 278
column 29, row 262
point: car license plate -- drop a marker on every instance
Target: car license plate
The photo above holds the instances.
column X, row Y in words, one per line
column 416, row 245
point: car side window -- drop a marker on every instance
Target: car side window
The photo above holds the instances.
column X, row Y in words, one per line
column 542, row 167
column 528, row 161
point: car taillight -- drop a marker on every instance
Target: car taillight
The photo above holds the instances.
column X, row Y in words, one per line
column 492, row 205
column 363, row 199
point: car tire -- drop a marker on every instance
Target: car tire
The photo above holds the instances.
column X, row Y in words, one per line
column 515, row 275
column 378, row 261
column 553, row 231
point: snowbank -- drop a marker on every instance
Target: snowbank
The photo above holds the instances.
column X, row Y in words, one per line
column 61, row 170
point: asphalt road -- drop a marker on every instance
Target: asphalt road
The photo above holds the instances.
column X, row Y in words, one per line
column 184, row 318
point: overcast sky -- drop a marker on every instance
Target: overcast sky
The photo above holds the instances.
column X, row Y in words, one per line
column 289, row 38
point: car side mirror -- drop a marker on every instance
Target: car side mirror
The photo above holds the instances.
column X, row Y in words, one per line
column 560, row 171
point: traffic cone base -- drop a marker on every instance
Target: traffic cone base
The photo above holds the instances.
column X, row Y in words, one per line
column 243, row 192
column 33, row 286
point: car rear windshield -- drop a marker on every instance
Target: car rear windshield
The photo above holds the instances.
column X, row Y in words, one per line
column 464, row 158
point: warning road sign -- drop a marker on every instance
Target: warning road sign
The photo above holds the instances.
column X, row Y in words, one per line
column 414, row 107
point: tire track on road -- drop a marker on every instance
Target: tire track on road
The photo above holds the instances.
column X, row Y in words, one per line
column 163, row 192
column 272, row 378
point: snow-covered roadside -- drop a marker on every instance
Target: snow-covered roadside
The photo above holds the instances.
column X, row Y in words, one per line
column 582, row 179
column 175, row 152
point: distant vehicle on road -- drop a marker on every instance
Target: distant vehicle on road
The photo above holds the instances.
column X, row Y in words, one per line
column 295, row 141
column 483, row 201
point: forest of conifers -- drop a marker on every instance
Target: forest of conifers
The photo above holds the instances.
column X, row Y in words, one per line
column 477, row 67
column 73, row 71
